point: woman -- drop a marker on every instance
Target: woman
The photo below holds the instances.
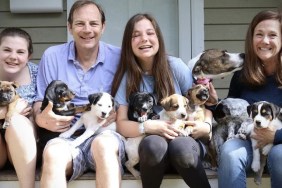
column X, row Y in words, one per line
column 144, row 66
column 260, row 79
column 17, row 142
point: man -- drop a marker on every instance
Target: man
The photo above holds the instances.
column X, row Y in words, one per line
column 87, row 65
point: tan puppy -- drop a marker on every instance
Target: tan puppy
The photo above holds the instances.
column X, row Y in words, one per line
column 175, row 110
column 8, row 98
column 197, row 95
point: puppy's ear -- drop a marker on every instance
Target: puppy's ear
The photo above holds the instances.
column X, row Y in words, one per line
column 275, row 110
column 15, row 85
column 165, row 103
column 94, row 98
column 249, row 109
column 131, row 97
column 186, row 100
column 154, row 98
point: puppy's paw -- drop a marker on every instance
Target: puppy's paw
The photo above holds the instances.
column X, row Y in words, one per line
column 142, row 118
column 266, row 149
column 257, row 179
column 241, row 136
column 184, row 133
column 5, row 124
column 255, row 166
column 64, row 135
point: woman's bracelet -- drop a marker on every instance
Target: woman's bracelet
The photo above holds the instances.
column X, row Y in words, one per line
column 141, row 128
column 209, row 125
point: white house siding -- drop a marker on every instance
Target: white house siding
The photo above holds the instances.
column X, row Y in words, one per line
column 226, row 23
column 46, row 29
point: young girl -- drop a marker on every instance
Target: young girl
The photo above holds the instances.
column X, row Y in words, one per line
column 18, row 141
column 145, row 67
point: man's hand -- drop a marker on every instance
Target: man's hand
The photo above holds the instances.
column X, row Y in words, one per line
column 49, row 120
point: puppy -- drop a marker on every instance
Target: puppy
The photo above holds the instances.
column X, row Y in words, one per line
column 264, row 114
column 231, row 118
column 8, row 98
column 175, row 110
column 140, row 109
column 197, row 96
column 215, row 63
column 102, row 104
column 59, row 93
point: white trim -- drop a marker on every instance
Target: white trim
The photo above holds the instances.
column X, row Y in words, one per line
column 69, row 4
column 191, row 28
column 197, row 12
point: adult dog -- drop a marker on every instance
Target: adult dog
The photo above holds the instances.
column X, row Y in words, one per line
column 102, row 104
column 8, row 98
column 215, row 63
column 59, row 93
column 140, row 109
column 264, row 114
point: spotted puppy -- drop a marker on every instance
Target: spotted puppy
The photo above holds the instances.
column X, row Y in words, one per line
column 140, row 109
column 175, row 110
column 264, row 114
column 8, row 98
column 231, row 119
column 102, row 104
column 215, row 63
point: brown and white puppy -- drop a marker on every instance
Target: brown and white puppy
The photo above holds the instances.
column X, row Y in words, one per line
column 8, row 98
column 198, row 96
column 59, row 93
column 175, row 110
column 215, row 63
column 264, row 114
column 102, row 104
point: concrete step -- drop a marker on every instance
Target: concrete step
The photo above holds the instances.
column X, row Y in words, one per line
column 8, row 179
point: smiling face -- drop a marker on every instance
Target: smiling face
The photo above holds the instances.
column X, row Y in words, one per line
column 145, row 43
column 87, row 27
column 267, row 40
column 13, row 54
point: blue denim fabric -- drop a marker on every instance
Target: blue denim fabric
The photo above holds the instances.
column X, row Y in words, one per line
column 235, row 159
column 235, row 162
column 274, row 163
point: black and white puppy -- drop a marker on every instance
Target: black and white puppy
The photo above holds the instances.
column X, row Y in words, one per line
column 215, row 63
column 140, row 109
column 102, row 104
column 264, row 114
